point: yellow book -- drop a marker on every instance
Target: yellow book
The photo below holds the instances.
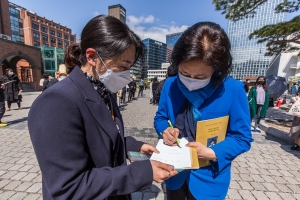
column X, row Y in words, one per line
column 211, row 132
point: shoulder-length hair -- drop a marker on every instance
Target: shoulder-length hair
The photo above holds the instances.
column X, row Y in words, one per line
column 208, row 43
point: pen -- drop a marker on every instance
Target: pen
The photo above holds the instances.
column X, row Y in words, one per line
column 177, row 140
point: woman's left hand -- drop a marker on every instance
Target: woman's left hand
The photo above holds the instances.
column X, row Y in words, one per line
column 203, row 152
column 146, row 148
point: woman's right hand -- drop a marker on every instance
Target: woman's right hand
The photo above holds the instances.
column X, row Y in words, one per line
column 162, row 171
column 170, row 135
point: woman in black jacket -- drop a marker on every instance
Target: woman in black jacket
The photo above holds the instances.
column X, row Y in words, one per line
column 80, row 147
column 13, row 89
column 155, row 85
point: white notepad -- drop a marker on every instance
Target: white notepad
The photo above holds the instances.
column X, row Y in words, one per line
column 180, row 158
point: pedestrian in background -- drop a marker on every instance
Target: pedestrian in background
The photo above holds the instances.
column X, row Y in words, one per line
column 294, row 89
column 141, row 88
column 155, row 84
column 172, row 71
column 80, row 147
column 2, row 101
column 13, row 89
column 150, row 91
column 258, row 101
column 123, row 99
column 131, row 88
column 246, row 85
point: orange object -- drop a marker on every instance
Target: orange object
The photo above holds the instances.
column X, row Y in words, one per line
column 278, row 104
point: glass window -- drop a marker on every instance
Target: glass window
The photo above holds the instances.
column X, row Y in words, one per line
column 45, row 38
column 45, row 30
column 37, row 44
column 36, row 35
column 45, row 45
column 35, row 26
column 59, row 35
column 52, row 32
column 66, row 44
column 53, row 40
column 60, row 42
column 66, row 37
column 72, row 39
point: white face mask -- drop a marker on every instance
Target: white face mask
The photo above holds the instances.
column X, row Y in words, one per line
column 62, row 78
column 114, row 81
column 193, row 84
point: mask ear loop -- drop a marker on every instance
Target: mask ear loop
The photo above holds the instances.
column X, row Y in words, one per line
column 102, row 61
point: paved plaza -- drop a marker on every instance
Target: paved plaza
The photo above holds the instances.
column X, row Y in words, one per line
column 268, row 171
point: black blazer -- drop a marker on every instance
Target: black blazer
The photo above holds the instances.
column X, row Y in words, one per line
column 76, row 142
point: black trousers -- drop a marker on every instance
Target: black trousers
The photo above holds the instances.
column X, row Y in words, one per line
column 182, row 193
column 10, row 102
column 2, row 109
column 140, row 92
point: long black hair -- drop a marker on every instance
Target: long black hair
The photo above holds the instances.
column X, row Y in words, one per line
column 263, row 85
column 208, row 43
column 108, row 36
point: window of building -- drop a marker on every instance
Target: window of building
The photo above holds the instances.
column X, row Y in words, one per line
column 45, row 38
column 53, row 40
column 45, row 45
column 37, row 44
column 36, row 35
column 35, row 26
column 52, row 32
column 66, row 44
column 72, row 39
column 59, row 35
column 32, row 18
column 66, row 37
column 45, row 30
column 59, row 42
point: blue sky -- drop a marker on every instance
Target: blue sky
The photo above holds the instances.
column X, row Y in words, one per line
column 148, row 18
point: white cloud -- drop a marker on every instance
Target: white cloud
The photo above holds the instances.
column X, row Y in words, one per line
column 96, row 13
column 157, row 31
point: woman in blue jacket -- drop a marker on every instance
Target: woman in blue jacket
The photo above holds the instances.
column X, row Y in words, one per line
column 201, row 91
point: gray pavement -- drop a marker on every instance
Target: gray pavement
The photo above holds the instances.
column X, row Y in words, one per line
column 268, row 171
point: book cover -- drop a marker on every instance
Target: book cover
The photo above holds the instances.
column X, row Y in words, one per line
column 211, row 132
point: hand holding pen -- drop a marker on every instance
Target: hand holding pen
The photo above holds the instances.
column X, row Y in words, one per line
column 170, row 136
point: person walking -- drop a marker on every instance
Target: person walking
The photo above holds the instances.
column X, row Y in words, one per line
column 202, row 91
column 81, row 148
column 150, row 91
column 141, row 88
column 294, row 89
column 131, row 88
column 123, row 99
column 2, row 101
column 155, row 84
column 258, row 98
column 13, row 89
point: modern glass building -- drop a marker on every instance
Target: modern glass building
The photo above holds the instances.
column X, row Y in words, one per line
column 248, row 56
column 156, row 53
column 52, row 57
column 171, row 39
column 16, row 23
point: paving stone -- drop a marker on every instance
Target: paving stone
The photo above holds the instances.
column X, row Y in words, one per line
column 23, row 186
column 29, row 176
column 7, row 195
column 12, row 185
column 286, row 196
column 18, row 196
column 245, row 185
column 234, row 185
column 283, row 188
column 258, row 186
column 268, row 179
column 270, row 187
column 273, row 195
column 259, row 195
column 246, row 194
column 19, row 176
column 34, row 188
column 32, row 197
column 3, row 183
column 233, row 194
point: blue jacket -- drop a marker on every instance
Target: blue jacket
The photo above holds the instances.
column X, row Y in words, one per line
column 210, row 182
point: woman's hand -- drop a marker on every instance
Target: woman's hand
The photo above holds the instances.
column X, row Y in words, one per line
column 170, row 136
column 162, row 171
column 203, row 152
column 146, row 148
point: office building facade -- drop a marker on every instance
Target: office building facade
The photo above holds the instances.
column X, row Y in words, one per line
column 16, row 24
column 171, row 39
column 156, row 53
column 5, row 28
column 248, row 56
column 118, row 12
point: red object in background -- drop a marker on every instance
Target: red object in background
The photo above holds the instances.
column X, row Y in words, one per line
column 278, row 104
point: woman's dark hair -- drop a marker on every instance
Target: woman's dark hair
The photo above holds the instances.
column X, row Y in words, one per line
column 46, row 75
column 265, row 83
column 108, row 36
column 172, row 71
column 208, row 43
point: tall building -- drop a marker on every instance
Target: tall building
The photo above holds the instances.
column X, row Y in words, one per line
column 155, row 54
column 39, row 31
column 169, row 53
column 16, row 23
column 248, row 56
column 118, row 12
column 171, row 39
column 5, row 29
